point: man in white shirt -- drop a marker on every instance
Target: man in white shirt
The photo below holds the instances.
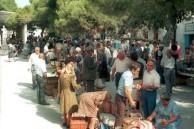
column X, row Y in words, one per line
column 151, row 82
column 168, row 64
column 120, row 65
column 41, row 74
column 32, row 60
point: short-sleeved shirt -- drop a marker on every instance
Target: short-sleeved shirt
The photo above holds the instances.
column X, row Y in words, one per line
column 40, row 67
column 151, row 78
column 33, row 59
column 164, row 113
column 168, row 62
column 126, row 80
column 121, row 65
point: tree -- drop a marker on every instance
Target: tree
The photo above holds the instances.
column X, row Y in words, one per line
column 44, row 14
column 20, row 17
column 89, row 16
column 75, row 16
column 8, row 5
column 157, row 14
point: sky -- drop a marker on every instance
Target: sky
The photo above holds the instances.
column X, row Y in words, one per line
column 22, row 3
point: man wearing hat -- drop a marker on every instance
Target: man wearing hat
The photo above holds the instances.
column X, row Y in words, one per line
column 167, row 113
column 89, row 69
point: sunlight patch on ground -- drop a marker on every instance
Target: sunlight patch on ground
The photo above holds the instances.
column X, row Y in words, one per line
column 186, row 105
column 180, row 89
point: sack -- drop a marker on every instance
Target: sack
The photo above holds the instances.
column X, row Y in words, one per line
column 98, row 83
column 135, row 121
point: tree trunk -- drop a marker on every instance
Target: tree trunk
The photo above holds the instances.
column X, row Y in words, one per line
column 155, row 31
column 42, row 33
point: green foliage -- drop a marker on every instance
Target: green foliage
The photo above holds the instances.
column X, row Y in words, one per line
column 20, row 17
column 157, row 13
column 93, row 16
column 45, row 13
column 87, row 16
column 8, row 5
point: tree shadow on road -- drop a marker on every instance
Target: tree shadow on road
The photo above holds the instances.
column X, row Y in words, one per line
column 29, row 85
column 50, row 112
column 27, row 93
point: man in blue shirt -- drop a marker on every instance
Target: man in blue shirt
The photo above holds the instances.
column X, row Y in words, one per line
column 124, row 91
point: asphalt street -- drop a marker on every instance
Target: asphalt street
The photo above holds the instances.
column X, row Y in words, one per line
column 19, row 108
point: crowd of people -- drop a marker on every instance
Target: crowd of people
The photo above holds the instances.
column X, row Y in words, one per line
column 135, row 65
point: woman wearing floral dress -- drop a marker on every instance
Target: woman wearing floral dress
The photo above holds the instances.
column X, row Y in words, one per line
column 166, row 113
column 90, row 103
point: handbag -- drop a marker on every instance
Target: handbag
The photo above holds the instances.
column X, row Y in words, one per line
column 135, row 121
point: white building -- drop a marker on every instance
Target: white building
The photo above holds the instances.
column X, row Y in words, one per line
column 3, row 31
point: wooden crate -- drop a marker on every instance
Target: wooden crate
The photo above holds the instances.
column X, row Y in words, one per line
column 52, row 83
column 78, row 123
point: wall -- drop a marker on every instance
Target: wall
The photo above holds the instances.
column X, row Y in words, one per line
column 180, row 37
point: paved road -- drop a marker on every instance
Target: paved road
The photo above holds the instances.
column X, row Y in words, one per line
column 19, row 108
column 18, row 102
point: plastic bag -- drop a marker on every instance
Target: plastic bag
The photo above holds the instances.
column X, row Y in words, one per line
column 98, row 84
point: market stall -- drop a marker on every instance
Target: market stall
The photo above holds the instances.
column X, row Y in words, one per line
column 188, row 75
column 185, row 73
column 52, row 83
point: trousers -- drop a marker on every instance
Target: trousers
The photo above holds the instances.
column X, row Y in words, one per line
column 121, row 106
column 41, row 89
column 148, row 102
